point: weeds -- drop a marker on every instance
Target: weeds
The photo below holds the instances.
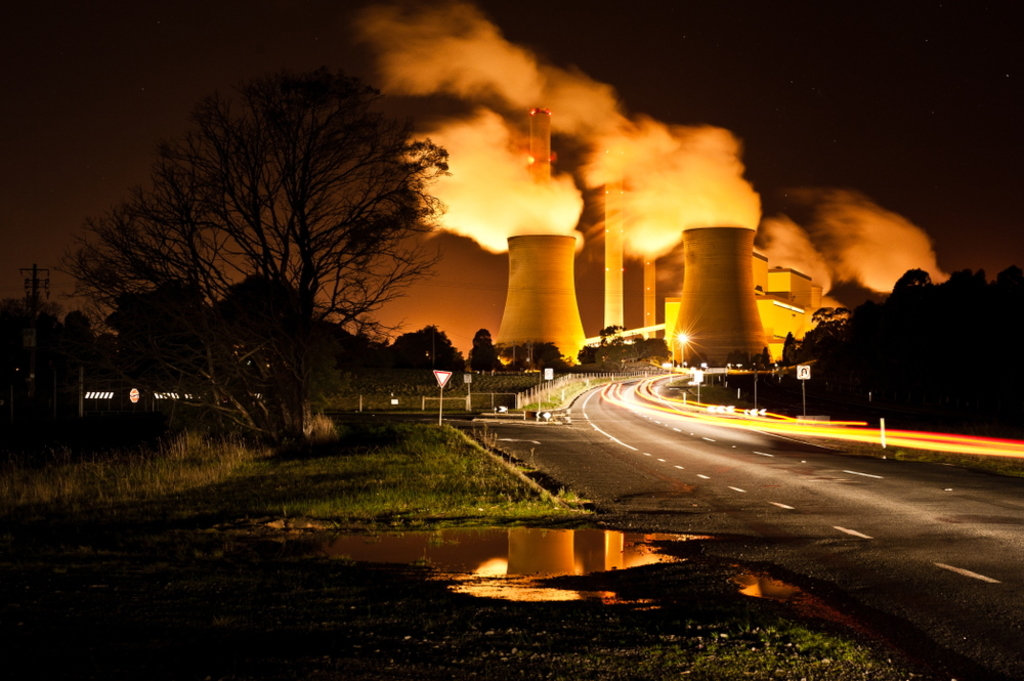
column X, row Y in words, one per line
column 185, row 462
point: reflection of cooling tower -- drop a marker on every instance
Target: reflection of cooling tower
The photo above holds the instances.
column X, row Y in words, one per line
column 541, row 304
column 717, row 310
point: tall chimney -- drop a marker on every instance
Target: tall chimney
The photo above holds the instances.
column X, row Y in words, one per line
column 541, row 304
column 613, row 235
column 717, row 311
column 650, row 293
column 540, row 145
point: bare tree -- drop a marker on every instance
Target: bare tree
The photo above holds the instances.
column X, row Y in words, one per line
column 289, row 205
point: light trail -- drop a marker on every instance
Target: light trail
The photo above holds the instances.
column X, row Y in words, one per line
column 644, row 399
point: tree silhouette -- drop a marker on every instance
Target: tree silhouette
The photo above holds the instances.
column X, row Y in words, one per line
column 294, row 188
column 484, row 356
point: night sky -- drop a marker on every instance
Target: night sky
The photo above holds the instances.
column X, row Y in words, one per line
column 917, row 106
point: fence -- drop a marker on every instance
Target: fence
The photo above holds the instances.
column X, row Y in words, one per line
column 569, row 386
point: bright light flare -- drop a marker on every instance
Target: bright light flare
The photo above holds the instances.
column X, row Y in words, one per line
column 645, row 398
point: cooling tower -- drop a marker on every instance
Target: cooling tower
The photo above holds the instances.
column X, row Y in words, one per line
column 541, row 305
column 717, row 310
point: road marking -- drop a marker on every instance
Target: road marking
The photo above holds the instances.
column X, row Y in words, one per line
column 775, row 503
column 661, row 460
column 646, row 454
column 737, row 489
column 512, row 439
column 680, row 468
column 615, row 439
column 677, row 430
column 708, row 439
column 968, row 573
column 866, row 475
column 703, row 476
column 854, row 533
column 764, row 454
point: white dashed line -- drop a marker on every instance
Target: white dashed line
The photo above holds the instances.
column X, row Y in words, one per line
column 764, row 454
column 646, row 454
column 737, row 489
column 866, row 475
column 703, row 476
column 968, row 573
column 677, row 430
column 853, row 533
column 680, row 468
column 708, row 439
column 775, row 503
column 661, row 460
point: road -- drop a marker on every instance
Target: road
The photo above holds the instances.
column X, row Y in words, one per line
column 930, row 553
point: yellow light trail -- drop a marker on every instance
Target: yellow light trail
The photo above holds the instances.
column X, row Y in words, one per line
column 644, row 398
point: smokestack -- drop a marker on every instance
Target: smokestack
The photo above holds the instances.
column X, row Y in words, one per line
column 541, row 304
column 717, row 311
column 650, row 288
column 613, row 235
column 540, row 145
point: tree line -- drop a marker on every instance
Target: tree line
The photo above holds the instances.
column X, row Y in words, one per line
column 960, row 337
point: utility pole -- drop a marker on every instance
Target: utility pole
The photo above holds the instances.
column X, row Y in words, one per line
column 33, row 285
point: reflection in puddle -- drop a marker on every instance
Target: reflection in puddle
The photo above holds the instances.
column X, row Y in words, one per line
column 506, row 563
column 760, row 586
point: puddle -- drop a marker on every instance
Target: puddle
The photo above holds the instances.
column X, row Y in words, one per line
column 760, row 586
column 508, row 563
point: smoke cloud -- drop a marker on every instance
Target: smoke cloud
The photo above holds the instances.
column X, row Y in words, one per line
column 854, row 238
column 490, row 195
column 677, row 176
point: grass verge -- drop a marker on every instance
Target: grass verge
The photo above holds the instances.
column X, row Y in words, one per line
column 145, row 578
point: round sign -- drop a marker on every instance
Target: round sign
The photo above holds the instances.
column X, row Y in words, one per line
column 134, row 395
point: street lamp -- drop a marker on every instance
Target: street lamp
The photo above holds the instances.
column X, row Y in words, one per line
column 682, row 339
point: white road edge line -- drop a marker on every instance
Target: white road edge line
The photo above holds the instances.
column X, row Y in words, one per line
column 853, row 533
column 866, row 475
column 737, row 489
column 968, row 573
column 775, row 503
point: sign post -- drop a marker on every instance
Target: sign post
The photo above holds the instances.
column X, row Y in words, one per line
column 803, row 372
column 442, row 378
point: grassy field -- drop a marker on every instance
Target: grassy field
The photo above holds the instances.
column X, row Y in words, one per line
column 198, row 560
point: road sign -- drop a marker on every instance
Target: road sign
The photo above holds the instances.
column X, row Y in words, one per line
column 803, row 371
column 442, row 377
column 549, row 373
column 134, row 395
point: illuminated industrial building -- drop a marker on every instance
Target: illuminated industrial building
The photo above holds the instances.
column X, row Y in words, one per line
column 731, row 300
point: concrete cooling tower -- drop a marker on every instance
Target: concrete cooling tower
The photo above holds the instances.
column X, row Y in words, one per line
column 541, row 304
column 717, row 310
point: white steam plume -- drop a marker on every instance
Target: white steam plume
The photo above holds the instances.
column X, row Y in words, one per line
column 490, row 195
column 677, row 176
column 860, row 241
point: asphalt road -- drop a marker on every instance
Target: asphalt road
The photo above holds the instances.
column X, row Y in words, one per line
column 929, row 554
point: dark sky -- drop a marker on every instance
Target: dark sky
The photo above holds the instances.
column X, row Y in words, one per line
column 919, row 106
